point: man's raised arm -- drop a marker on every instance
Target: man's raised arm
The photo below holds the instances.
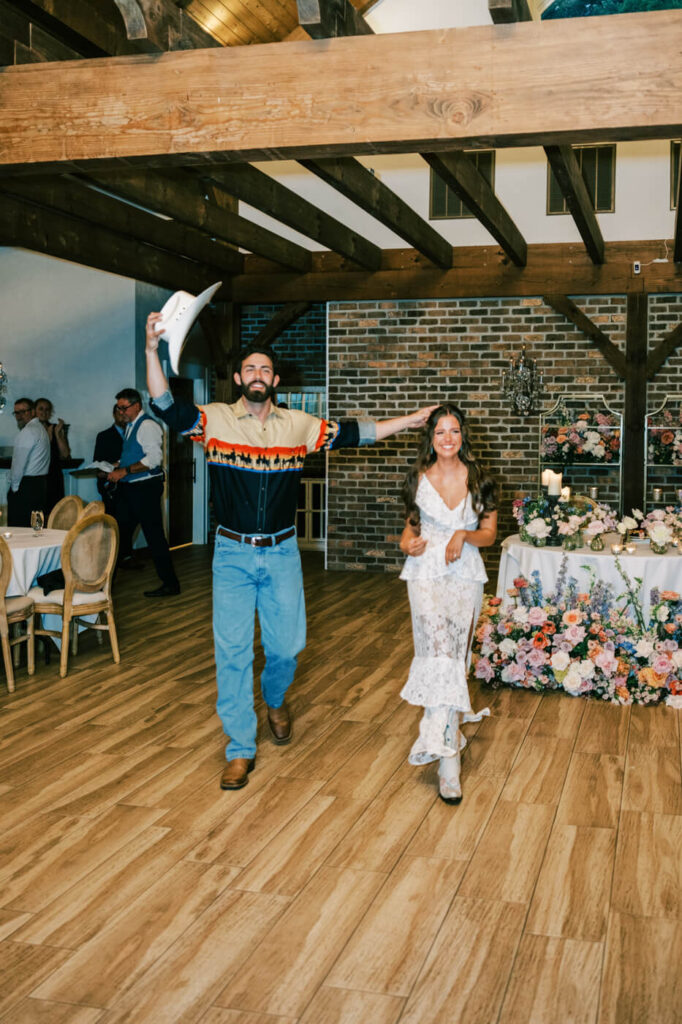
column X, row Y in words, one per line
column 413, row 421
column 157, row 383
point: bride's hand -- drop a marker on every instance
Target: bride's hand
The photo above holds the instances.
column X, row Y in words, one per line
column 454, row 549
column 412, row 543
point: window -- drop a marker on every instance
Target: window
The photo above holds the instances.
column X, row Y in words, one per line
column 674, row 172
column 444, row 203
column 598, row 165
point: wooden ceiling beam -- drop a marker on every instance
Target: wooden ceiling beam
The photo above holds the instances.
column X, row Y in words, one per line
column 190, row 201
column 74, row 198
column 33, row 227
column 264, row 193
column 310, row 99
column 325, row 19
column 363, row 188
column 504, row 12
column 563, row 162
column 104, row 32
column 460, row 173
column 561, row 159
column 477, row 271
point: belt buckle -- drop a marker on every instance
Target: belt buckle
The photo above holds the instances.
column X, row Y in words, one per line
column 254, row 540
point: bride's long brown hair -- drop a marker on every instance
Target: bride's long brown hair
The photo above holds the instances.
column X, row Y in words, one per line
column 482, row 487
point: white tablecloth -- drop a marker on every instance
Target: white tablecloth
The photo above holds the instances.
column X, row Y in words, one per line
column 32, row 555
column 520, row 559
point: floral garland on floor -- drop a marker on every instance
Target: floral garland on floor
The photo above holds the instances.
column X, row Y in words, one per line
column 583, row 643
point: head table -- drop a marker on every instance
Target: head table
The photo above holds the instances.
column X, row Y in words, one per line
column 521, row 559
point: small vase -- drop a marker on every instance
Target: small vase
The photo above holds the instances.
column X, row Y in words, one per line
column 572, row 541
column 524, row 535
column 539, row 542
column 597, row 543
column 658, row 549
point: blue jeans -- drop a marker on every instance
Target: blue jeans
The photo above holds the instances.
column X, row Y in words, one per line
column 246, row 580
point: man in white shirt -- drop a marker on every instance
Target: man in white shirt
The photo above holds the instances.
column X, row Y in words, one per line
column 30, row 464
column 140, row 476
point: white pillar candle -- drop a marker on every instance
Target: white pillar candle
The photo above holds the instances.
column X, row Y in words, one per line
column 554, row 484
column 546, row 474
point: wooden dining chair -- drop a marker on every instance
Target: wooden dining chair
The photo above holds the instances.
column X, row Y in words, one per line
column 88, row 560
column 14, row 610
column 93, row 508
column 65, row 513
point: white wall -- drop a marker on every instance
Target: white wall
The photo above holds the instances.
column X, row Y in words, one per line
column 68, row 333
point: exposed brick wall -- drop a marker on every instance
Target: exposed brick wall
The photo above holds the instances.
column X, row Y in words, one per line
column 301, row 349
column 389, row 358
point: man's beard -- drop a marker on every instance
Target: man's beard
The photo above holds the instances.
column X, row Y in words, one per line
column 257, row 395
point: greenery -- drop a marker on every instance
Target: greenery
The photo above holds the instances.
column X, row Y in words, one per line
column 587, row 8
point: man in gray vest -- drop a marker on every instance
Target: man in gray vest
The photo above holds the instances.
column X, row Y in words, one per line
column 139, row 476
column 30, row 463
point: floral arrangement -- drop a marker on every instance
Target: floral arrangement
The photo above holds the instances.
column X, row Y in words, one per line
column 665, row 441
column 583, row 643
column 583, row 439
column 663, row 526
column 544, row 519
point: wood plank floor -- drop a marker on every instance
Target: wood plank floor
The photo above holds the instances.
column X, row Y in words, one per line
column 336, row 888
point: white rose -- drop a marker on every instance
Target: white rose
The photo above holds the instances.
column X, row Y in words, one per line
column 520, row 615
column 560, row 660
column 663, row 613
column 644, row 648
column 538, row 528
column 660, row 534
column 676, row 657
column 572, row 680
column 508, row 647
column 586, row 669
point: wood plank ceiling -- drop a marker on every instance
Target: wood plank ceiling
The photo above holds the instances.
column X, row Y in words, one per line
column 189, row 232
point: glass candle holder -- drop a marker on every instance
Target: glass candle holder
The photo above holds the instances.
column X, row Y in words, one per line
column 593, row 492
column 616, row 549
column 657, row 494
column 631, row 548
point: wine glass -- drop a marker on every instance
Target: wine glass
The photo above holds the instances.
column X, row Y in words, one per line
column 37, row 521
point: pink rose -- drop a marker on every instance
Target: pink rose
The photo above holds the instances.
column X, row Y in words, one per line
column 537, row 616
column 662, row 666
column 484, row 670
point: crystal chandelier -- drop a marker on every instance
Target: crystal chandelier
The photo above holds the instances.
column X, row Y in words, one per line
column 522, row 384
column 4, row 384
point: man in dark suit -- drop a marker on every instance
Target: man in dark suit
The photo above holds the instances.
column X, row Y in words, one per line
column 108, row 446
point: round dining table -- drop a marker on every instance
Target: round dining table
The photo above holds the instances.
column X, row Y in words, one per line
column 521, row 559
column 33, row 554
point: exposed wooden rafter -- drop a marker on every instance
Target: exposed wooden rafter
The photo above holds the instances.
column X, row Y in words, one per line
column 310, row 99
column 195, row 203
column 29, row 226
column 563, row 162
column 356, row 183
column 72, row 197
column 503, row 12
column 561, row 158
column 267, row 194
column 324, row 19
column 463, row 177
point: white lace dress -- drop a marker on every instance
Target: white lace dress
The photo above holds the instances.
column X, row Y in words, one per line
column 445, row 600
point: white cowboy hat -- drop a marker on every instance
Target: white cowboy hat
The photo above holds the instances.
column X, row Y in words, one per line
column 178, row 315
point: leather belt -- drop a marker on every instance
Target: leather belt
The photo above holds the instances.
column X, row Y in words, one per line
column 258, row 540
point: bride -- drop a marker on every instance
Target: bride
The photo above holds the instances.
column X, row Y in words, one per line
column 450, row 507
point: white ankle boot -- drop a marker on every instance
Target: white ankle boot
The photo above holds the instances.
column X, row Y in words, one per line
column 449, row 785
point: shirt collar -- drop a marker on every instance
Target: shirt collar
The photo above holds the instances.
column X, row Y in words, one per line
column 241, row 412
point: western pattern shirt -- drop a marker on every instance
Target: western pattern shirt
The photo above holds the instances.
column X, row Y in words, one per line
column 255, row 467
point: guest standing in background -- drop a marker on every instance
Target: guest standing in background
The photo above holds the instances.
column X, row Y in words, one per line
column 450, row 509
column 30, row 464
column 59, row 450
column 108, row 448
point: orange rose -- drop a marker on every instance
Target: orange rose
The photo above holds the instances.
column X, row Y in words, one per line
column 583, row 598
column 623, row 692
column 668, row 437
column 540, row 641
column 584, row 416
column 669, row 595
column 623, row 667
column 651, row 678
column 572, row 617
column 549, row 628
column 494, row 601
column 670, row 627
column 676, row 687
